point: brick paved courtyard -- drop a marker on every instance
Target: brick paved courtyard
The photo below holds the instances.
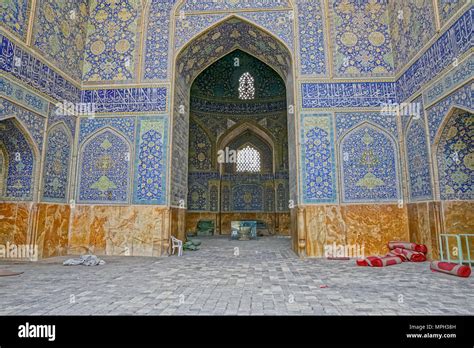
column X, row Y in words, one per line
column 265, row 278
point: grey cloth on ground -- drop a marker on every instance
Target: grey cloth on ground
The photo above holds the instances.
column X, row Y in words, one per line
column 86, row 260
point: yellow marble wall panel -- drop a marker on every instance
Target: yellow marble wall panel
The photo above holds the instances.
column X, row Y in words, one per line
column 371, row 226
column 80, row 227
column 458, row 218
column 178, row 223
column 120, row 230
column 423, row 226
column 375, row 225
column 14, row 220
column 52, row 228
column 324, row 224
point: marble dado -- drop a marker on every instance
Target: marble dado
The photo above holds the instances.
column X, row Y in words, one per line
column 119, row 230
column 14, row 222
column 51, row 229
column 59, row 230
column 428, row 220
column 371, row 226
column 44, row 225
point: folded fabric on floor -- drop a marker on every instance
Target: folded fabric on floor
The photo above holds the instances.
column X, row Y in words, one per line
column 85, row 260
column 421, row 248
column 380, row 261
column 451, row 268
column 408, row 255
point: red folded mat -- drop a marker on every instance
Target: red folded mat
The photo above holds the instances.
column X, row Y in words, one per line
column 408, row 255
column 380, row 261
column 421, row 248
column 451, row 268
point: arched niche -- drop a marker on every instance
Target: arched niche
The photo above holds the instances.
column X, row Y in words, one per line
column 369, row 170
column 21, row 156
column 57, row 164
column 417, row 160
column 219, row 40
column 453, row 156
column 105, row 168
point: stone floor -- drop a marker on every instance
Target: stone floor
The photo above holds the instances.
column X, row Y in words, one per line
column 263, row 278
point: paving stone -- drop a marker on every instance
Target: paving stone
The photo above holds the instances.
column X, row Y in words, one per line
column 212, row 281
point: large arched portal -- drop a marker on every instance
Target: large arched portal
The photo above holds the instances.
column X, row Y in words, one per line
column 238, row 147
column 237, row 42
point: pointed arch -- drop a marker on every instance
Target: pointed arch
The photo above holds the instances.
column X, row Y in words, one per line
column 370, row 168
column 22, row 154
column 228, row 18
column 199, row 53
column 453, row 155
column 104, row 168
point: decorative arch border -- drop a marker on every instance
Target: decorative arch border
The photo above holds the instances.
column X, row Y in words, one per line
column 80, row 159
column 340, row 158
column 228, row 13
column 183, row 94
column 6, row 163
column 35, row 173
column 67, row 131
column 436, row 142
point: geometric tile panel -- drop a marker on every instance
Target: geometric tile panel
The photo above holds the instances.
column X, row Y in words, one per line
column 151, row 160
column 369, row 166
column 247, row 197
column 189, row 26
column 313, row 60
column 318, row 159
column 34, row 123
column 361, row 38
column 455, row 155
column 412, row 25
column 60, row 32
column 418, row 159
column 112, row 37
column 279, row 23
column 104, row 164
column 447, row 8
column 14, row 16
column 21, row 162
column 56, row 165
column 157, row 40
